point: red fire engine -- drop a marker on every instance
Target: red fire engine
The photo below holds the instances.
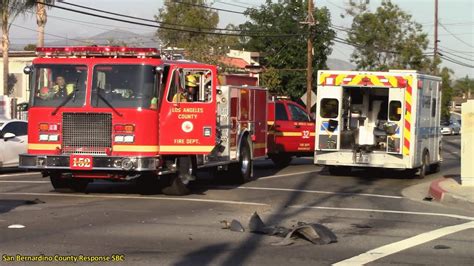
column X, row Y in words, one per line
column 123, row 113
column 290, row 131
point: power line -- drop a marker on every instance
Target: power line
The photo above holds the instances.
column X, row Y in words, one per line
column 50, row 34
column 457, row 51
column 207, row 7
column 85, row 23
column 461, row 40
column 199, row 31
column 229, row 4
column 141, row 19
column 452, row 54
column 456, row 61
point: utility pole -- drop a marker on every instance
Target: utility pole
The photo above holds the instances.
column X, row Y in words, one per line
column 435, row 57
column 309, row 68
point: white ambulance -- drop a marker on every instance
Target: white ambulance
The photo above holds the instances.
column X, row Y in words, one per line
column 378, row 119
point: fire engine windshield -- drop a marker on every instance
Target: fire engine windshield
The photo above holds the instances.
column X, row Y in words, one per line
column 124, row 86
column 59, row 85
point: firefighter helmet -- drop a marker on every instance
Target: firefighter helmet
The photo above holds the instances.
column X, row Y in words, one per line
column 191, row 81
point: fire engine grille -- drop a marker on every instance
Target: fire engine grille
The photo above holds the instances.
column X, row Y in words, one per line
column 86, row 133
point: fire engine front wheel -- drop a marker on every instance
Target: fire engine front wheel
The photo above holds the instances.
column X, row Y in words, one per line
column 177, row 184
column 58, row 182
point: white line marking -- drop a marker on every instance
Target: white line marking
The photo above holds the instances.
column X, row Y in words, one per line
column 27, row 174
column 24, row 181
column 390, row 249
column 134, row 197
column 290, row 174
column 321, row 192
column 384, row 211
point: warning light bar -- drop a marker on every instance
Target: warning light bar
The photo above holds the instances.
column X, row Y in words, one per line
column 97, row 51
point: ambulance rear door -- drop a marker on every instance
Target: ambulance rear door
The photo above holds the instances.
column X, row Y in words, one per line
column 328, row 117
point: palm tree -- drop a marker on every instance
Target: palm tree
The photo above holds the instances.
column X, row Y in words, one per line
column 10, row 9
column 41, row 18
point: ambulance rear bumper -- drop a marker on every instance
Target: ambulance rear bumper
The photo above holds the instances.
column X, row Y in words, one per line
column 110, row 163
column 373, row 159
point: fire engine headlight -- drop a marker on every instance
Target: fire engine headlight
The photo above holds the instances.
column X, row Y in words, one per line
column 129, row 138
column 54, row 137
column 118, row 138
column 43, row 137
column 127, row 164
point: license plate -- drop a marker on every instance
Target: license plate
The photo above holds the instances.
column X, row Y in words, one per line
column 80, row 162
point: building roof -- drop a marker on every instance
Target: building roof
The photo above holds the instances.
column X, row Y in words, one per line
column 234, row 62
column 20, row 53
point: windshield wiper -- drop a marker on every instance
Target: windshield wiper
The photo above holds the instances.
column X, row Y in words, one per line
column 99, row 95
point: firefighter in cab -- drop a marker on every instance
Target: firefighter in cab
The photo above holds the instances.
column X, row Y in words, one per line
column 59, row 90
column 190, row 92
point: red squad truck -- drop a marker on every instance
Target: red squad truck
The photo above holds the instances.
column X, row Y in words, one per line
column 290, row 131
column 122, row 113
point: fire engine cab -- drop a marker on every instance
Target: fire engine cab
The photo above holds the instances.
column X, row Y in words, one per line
column 378, row 119
column 123, row 113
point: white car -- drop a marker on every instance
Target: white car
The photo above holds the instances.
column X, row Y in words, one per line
column 450, row 128
column 13, row 141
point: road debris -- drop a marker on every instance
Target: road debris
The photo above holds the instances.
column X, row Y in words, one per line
column 236, row 226
column 313, row 232
column 35, row 201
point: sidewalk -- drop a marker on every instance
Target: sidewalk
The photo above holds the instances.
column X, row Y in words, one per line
column 448, row 189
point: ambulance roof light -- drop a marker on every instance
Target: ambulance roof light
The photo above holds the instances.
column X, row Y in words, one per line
column 119, row 51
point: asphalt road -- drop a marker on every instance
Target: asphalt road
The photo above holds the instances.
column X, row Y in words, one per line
column 375, row 221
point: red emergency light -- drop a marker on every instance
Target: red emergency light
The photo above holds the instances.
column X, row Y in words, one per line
column 97, row 51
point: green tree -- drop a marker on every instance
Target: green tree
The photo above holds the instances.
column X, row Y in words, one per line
column 464, row 87
column 189, row 20
column 29, row 47
column 387, row 38
column 10, row 9
column 286, row 57
column 447, row 90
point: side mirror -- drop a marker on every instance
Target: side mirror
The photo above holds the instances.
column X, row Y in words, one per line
column 158, row 69
column 27, row 70
column 8, row 136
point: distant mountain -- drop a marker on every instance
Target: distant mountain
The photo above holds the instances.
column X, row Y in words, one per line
column 110, row 37
column 337, row 64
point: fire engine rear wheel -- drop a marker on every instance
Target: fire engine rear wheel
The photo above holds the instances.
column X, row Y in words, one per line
column 58, row 182
column 242, row 171
column 281, row 160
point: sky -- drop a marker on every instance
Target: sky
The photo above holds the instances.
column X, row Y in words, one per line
column 456, row 17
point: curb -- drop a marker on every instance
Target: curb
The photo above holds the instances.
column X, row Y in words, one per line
column 436, row 191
